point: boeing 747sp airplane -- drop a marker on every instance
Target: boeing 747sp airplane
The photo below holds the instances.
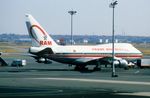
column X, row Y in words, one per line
column 44, row 47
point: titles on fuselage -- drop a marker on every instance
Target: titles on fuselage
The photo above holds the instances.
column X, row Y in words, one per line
column 44, row 42
column 109, row 49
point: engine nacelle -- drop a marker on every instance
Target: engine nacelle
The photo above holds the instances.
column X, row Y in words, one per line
column 44, row 60
column 41, row 60
column 122, row 63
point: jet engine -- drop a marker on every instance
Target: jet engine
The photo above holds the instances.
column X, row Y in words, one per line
column 122, row 63
column 43, row 60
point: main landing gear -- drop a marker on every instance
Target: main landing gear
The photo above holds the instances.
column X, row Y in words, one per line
column 84, row 68
column 80, row 68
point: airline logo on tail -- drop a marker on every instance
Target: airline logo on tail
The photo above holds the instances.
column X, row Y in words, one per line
column 41, row 42
column 39, row 36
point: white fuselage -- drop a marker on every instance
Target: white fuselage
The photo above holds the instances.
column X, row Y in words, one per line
column 123, row 50
column 43, row 46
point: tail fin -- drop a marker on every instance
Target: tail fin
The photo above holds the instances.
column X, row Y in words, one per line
column 38, row 35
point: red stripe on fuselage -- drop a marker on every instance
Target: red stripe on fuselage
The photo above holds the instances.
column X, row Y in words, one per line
column 97, row 56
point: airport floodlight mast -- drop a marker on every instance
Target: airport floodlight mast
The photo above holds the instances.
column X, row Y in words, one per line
column 112, row 5
column 72, row 13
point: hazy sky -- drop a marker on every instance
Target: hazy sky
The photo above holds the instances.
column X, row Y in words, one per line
column 132, row 17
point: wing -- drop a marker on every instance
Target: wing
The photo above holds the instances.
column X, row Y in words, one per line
column 43, row 52
column 93, row 61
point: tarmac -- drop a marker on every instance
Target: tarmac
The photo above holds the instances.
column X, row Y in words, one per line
column 61, row 81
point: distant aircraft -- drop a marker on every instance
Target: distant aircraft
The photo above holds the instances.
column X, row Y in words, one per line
column 45, row 48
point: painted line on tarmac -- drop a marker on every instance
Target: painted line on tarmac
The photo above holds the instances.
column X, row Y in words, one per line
column 136, row 94
column 98, row 81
